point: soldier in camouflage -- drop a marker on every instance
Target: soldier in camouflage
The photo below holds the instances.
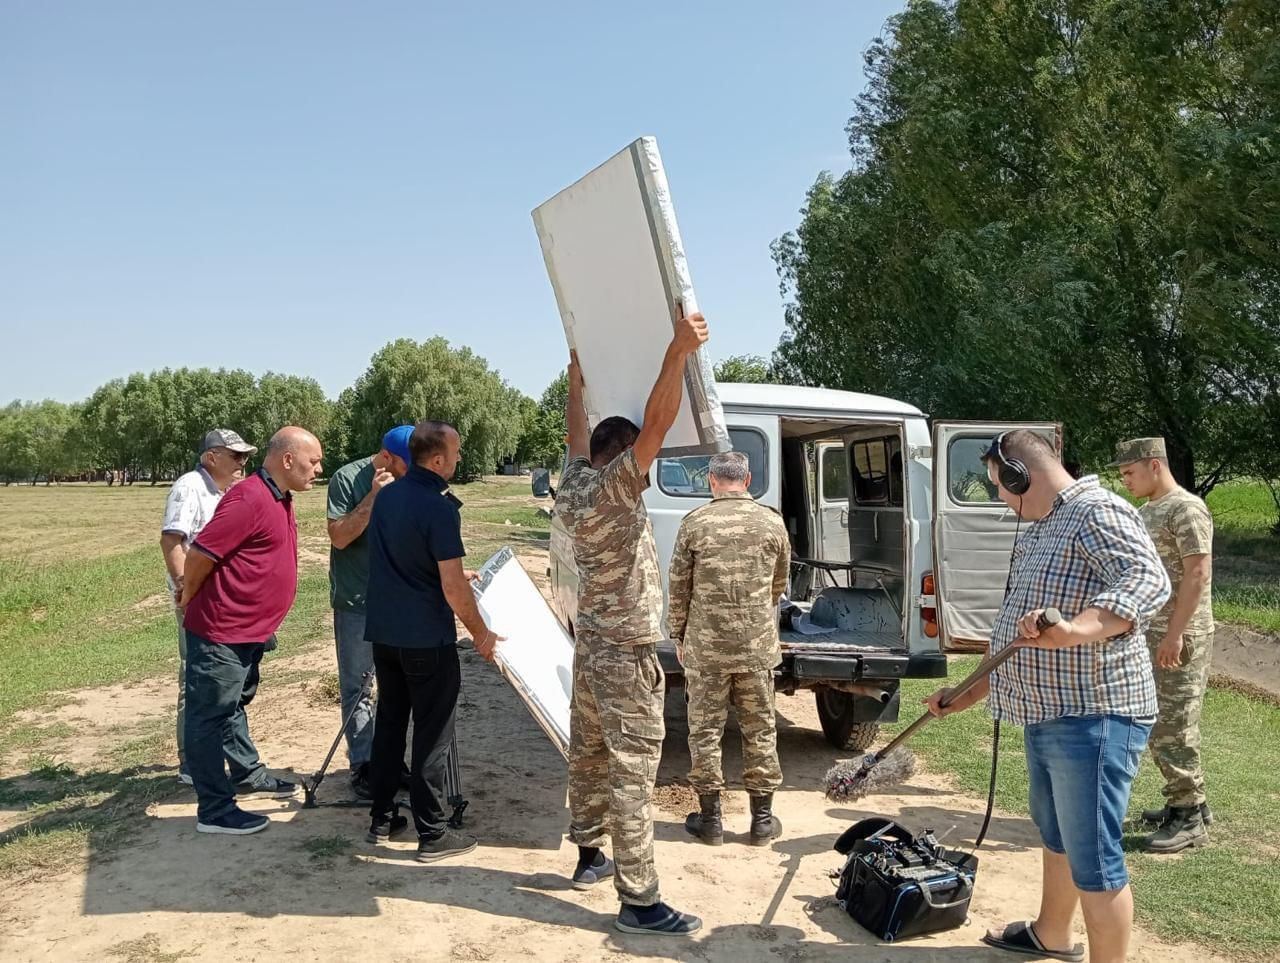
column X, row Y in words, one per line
column 729, row 567
column 1180, row 637
column 615, row 723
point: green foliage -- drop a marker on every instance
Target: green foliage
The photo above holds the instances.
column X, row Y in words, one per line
column 746, row 369
column 1064, row 211
column 544, row 427
column 409, row 381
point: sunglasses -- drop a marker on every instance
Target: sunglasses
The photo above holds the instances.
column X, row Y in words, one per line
column 240, row 456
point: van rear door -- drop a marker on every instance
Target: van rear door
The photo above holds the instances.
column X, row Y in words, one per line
column 973, row 530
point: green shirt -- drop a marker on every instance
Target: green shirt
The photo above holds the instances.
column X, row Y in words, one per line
column 349, row 567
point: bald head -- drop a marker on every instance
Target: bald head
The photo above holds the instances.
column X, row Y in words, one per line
column 293, row 458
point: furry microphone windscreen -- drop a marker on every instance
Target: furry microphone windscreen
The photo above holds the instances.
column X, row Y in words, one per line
column 854, row 778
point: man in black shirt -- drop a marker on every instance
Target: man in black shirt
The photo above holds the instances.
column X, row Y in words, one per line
column 416, row 585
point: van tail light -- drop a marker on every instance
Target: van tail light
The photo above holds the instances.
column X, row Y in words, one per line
column 929, row 616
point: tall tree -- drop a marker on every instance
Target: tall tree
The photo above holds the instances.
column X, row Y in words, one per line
column 408, row 381
column 1062, row 209
column 746, row 369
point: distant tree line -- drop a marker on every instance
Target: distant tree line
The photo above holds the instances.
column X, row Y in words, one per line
column 149, row 426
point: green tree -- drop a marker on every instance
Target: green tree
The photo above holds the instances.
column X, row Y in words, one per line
column 1057, row 210
column 746, row 369
column 543, row 425
column 408, row 381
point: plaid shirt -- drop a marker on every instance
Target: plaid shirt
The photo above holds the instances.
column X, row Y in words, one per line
column 1091, row 551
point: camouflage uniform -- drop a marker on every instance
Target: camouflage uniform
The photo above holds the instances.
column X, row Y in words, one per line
column 615, row 722
column 1180, row 525
column 728, row 569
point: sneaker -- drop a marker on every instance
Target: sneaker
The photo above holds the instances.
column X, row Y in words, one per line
column 1161, row 815
column 442, row 847
column 588, row 876
column 184, row 777
column 237, row 822
column 361, row 788
column 659, row 919
column 386, row 827
column 269, row 788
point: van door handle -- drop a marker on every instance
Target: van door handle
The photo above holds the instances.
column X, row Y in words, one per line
column 875, row 525
column 844, row 518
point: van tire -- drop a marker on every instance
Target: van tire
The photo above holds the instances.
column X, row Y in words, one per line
column 835, row 712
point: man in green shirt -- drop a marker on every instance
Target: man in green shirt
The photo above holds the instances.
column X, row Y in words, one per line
column 352, row 491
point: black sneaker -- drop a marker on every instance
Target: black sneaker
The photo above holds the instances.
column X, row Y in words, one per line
column 659, row 919
column 237, row 822
column 443, row 847
column 269, row 788
column 361, row 788
column 588, row 876
column 386, row 827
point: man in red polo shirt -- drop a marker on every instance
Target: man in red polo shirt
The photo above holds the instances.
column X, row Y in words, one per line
column 238, row 584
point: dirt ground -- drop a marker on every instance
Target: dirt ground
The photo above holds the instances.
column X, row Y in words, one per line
column 172, row 894
column 1249, row 657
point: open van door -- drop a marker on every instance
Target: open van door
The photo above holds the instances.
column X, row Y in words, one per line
column 833, row 502
column 973, row 530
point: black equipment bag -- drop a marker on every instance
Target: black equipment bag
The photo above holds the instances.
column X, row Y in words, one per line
column 898, row 885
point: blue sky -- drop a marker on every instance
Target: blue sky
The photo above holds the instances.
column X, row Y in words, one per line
column 287, row 186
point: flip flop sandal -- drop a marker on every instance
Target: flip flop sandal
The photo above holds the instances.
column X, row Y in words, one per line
column 1020, row 937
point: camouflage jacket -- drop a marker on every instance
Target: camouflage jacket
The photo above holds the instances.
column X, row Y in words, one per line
column 728, row 569
column 619, row 590
column 1180, row 524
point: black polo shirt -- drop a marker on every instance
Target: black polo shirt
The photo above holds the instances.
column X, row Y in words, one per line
column 414, row 527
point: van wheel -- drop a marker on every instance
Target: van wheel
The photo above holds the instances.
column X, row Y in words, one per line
column 835, row 712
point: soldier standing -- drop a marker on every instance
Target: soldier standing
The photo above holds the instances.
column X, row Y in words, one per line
column 729, row 568
column 616, row 727
column 1180, row 638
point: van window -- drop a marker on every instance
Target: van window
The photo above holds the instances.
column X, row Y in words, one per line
column 870, row 472
column 835, row 475
column 687, row 477
column 967, row 480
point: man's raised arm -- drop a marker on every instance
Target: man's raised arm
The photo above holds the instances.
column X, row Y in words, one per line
column 664, row 400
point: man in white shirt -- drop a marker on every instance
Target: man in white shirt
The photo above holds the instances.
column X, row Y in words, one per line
column 191, row 504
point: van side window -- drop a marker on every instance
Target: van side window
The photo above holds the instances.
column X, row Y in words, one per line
column 870, row 472
column 967, row 480
column 687, row 477
column 835, row 475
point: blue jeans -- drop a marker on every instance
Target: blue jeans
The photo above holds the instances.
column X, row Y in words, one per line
column 1082, row 770
column 355, row 658
column 221, row 681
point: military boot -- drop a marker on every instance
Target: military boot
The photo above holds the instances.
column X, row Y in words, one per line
column 764, row 824
column 706, row 825
column 1184, row 828
column 1158, row 816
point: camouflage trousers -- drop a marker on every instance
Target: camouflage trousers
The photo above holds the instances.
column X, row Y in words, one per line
column 615, row 744
column 751, row 695
column 1175, row 740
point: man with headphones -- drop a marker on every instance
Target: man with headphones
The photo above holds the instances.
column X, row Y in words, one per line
column 1082, row 689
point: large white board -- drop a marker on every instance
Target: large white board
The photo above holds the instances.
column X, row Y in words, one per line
column 618, row 268
column 536, row 654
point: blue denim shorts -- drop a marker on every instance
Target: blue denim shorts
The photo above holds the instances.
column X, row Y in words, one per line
column 1082, row 770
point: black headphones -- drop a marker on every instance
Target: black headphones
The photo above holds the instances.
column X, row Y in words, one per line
column 1012, row 472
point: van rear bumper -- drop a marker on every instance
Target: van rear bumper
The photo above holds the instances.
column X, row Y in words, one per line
column 810, row 670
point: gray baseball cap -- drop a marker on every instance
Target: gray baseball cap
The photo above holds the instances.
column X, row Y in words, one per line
column 226, row 438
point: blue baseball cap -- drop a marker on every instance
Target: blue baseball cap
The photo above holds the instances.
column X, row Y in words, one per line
column 396, row 441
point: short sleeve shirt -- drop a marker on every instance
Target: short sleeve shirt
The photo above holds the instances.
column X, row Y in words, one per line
column 349, row 567
column 191, row 503
column 1181, row 525
column 415, row 525
column 253, row 541
column 619, row 587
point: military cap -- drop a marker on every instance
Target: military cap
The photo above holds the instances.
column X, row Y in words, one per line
column 1138, row 449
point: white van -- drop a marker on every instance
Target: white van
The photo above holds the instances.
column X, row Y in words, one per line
column 898, row 541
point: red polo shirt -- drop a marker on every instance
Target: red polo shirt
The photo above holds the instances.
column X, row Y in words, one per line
column 253, row 539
